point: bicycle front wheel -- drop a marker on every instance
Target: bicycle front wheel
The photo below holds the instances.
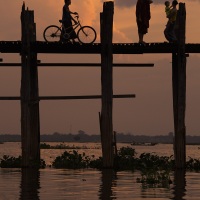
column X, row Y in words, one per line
column 86, row 35
column 52, row 34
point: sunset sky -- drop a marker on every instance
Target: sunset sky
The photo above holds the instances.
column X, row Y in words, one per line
column 150, row 113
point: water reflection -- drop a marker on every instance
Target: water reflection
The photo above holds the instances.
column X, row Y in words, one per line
column 179, row 190
column 107, row 183
column 88, row 184
column 30, row 184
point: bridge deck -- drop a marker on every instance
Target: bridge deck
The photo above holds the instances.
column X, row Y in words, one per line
column 118, row 48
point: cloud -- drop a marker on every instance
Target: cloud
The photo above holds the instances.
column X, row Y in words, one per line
column 131, row 3
column 88, row 11
column 118, row 35
column 145, row 83
column 125, row 3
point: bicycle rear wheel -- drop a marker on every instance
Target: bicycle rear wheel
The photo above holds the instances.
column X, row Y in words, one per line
column 86, row 35
column 52, row 33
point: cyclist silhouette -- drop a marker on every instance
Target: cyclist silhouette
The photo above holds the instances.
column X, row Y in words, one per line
column 67, row 22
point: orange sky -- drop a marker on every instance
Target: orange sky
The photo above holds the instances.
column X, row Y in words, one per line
column 149, row 113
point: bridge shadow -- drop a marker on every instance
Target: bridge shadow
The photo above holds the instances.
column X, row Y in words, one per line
column 30, row 184
column 107, row 183
column 179, row 190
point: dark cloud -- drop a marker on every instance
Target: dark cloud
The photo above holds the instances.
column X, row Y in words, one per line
column 125, row 3
column 130, row 3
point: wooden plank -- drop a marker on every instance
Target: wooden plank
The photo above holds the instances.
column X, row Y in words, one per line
column 119, row 96
column 118, row 48
column 84, row 97
column 10, row 98
column 80, row 64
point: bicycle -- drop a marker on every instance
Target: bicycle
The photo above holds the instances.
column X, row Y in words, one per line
column 85, row 34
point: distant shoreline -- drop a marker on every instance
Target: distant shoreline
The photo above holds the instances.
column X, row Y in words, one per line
column 120, row 137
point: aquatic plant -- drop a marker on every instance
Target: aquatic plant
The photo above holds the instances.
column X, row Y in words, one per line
column 151, row 161
column 193, row 164
column 126, row 152
column 45, row 146
column 152, row 178
column 60, row 146
column 71, row 160
column 12, row 162
column 96, row 163
column 125, row 159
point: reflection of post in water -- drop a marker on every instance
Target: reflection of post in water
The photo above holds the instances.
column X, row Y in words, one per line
column 179, row 184
column 30, row 184
column 108, row 182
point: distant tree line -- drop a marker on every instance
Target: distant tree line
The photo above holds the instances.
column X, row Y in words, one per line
column 81, row 136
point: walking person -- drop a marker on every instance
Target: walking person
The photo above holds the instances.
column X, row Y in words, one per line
column 143, row 15
column 67, row 22
column 169, row 30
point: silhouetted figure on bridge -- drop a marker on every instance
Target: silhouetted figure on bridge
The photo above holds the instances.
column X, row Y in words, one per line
column 169, row 30
column 67, row 22
column 167, row 8
column 143, row 15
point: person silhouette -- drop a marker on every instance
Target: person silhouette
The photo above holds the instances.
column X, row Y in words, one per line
column 167, row 8
column 143, row 16
column 67, row 20
column 169, row 30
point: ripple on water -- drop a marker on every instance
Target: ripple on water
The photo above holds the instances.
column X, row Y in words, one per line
column 91, row 184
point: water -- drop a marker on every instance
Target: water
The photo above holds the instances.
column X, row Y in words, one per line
column 62, row 184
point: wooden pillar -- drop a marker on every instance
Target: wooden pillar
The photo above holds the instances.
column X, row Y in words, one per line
column 179, row 91
column 30, row 126
column 106, row 121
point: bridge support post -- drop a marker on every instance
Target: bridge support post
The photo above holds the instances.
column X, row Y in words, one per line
column 179, row 91
column 30, row 126
column 106, row 119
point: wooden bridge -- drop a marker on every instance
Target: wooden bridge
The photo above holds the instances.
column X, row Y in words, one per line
column 28, row 48
column 96, row 48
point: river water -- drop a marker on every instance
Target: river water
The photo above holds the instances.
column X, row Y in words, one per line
column 90, row 184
